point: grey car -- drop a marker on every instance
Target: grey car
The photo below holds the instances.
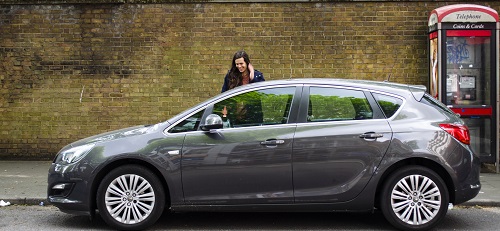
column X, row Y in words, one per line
column 319, row 145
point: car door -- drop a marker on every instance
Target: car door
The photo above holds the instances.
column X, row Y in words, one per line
column 337, row 147
column 249, row 160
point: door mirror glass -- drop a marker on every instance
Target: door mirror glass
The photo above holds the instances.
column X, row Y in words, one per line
column 212, row 121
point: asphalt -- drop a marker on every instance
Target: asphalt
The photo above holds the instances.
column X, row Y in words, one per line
column 25, row 183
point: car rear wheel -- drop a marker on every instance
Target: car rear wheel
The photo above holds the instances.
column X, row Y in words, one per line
column 130, row 198
column 414, row 198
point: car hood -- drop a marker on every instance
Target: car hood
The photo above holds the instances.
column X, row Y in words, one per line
column 121, row 133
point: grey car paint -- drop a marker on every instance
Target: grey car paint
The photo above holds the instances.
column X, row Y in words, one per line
column 215, row 171
column 231, row 166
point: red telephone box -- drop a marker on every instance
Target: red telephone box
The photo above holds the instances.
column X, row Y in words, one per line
column 464, row 66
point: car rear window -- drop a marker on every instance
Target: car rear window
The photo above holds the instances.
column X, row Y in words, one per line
column 433, row 102
column 388, row 104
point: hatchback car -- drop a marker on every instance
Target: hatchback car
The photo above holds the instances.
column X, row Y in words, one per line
column 290, row 145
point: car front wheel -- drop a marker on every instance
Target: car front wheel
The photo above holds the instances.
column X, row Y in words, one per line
column 414, row 198
column 130, row 198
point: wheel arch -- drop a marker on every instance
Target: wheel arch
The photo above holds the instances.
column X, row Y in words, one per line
column 112, row 165
column 432, row 165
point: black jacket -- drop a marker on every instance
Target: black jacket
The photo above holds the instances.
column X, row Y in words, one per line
column 258, row 77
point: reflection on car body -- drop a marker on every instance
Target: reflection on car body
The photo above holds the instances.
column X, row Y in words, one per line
column 289, row 145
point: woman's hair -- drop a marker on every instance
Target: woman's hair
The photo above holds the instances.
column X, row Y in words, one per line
column 235, row 76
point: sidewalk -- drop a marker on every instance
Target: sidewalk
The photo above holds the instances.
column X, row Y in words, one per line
column 25, row 182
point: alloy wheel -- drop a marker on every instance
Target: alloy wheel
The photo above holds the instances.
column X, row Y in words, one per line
column 129, row 199
column 416, row 199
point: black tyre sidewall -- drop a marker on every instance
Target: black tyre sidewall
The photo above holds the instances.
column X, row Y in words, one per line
column 395, row 177
column 146, row 174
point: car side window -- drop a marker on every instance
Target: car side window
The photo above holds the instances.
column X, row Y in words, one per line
column 388, row 104
column 189, row 124
column 333, row 104
column 256, row 108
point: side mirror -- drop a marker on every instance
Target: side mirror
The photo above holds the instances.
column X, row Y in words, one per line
column 212, row 121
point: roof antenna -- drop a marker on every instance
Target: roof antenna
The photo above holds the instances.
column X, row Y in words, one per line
column 392, row 68
column 291, row 53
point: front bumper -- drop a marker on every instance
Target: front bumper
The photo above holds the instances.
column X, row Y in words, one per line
column 68, row 190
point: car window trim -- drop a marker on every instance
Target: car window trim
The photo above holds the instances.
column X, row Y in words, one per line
column 208, row 107
column 165, row 131
column 291, row 114
column 295, row 106
column 304, row 102
column 391, row 95
column 378, row 113
column 313, row 124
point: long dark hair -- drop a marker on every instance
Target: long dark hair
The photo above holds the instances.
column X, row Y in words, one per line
column 235, row 76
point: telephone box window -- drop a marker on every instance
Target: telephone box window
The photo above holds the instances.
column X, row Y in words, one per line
column 468, row 62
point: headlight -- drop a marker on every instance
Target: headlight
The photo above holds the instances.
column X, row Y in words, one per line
column 73, row 155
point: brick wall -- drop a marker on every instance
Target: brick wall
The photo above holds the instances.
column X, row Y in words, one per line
column 68, row 71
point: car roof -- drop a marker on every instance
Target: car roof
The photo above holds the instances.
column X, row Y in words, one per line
column 390, row 87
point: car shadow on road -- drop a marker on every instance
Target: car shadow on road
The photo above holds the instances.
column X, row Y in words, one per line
column 273, row 221
column 266, row 221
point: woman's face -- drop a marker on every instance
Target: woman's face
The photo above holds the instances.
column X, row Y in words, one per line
column 240, row 64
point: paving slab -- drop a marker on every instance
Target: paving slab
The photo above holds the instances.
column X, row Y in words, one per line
column 24, row 182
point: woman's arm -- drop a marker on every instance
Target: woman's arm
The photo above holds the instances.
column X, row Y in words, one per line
column 252, row 71
column 225, row 86
column 259, row 77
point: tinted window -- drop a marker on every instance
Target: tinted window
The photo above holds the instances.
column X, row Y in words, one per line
column 256, row 108
column 189, row 124
column 388, row 104
column 431, row 101
column 331, row 104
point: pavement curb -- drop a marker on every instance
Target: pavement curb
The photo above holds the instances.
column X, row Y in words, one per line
column 27, row 201
column 480, row 204
column 38, row 201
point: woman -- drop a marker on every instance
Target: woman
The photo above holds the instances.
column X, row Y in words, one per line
column 241, row 72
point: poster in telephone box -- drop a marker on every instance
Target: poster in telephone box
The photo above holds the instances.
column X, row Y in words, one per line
column 463, row 70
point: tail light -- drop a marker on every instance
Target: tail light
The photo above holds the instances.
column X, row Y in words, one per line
column 459, row 131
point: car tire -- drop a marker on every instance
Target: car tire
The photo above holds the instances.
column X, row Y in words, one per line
column 130, row 197
column 414, row 198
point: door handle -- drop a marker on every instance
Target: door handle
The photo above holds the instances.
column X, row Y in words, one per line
column 174, row 152
column 272, row 142
column 371, row 135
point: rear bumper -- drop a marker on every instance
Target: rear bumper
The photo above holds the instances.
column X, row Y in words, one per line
column 470, row 184
column 464, row 195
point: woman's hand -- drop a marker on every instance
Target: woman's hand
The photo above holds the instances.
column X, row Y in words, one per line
column 252, row 71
